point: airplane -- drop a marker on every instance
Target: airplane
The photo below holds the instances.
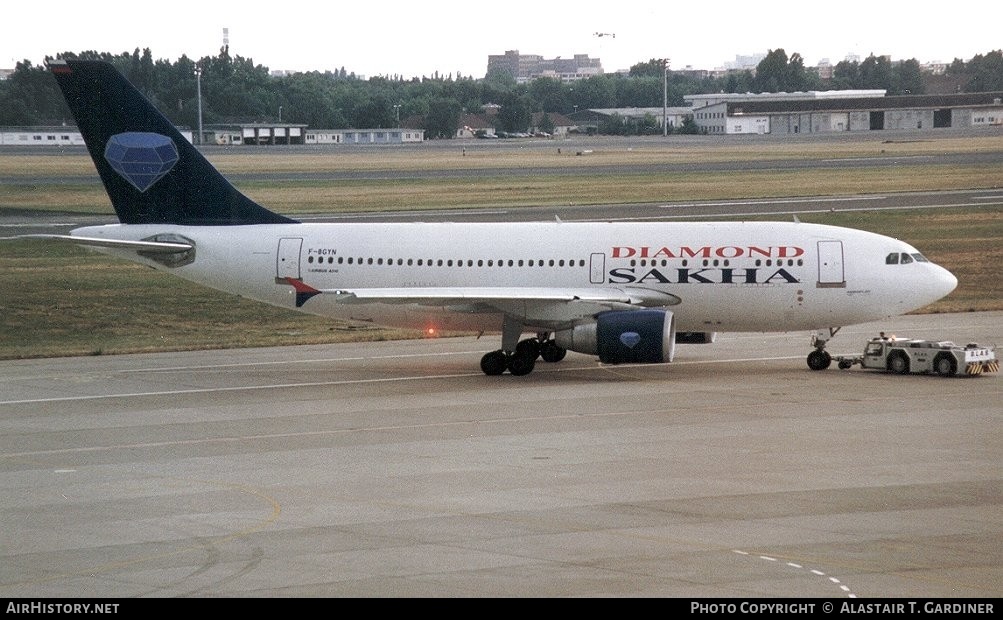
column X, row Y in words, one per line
column 625, row 292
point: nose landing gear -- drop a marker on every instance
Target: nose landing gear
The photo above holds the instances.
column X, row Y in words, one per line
column 820, row 359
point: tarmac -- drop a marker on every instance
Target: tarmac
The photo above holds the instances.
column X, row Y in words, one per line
column 397, row 469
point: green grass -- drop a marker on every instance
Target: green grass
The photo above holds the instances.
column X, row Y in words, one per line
column 61, row 300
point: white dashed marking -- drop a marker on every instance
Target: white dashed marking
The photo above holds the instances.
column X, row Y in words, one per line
column 813, row 571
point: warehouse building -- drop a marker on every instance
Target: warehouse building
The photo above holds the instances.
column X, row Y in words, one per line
column 836, row 111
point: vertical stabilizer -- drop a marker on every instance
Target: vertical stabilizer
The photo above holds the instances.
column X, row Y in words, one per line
column 152, row 174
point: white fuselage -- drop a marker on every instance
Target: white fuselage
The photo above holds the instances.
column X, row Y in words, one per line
column 729, row 276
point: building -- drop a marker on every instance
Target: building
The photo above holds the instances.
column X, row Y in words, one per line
column 560, row 125
column 255, row 133
column 60, row 135
column 364, row 136
column 475, row 126
column 797, row 113
column 527, row 67
column 291, row 133
column 40, row 136
column 591, row 118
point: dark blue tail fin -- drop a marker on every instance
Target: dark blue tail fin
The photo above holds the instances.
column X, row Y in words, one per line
column 153, row 175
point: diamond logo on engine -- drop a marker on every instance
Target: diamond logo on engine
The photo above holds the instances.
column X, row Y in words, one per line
column 630, row 339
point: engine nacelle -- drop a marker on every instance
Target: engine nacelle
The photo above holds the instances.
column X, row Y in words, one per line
column 624, row 337
column 696, row 337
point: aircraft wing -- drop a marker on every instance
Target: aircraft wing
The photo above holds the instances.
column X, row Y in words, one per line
column 151, row 247
column 444, row 296
column 496, row 298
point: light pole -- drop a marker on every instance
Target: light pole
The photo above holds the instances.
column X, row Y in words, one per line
column 397, row 111
column 280, row 114
column 665, row 97
column 198, row 88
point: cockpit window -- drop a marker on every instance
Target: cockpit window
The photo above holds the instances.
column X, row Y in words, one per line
column 902, row 258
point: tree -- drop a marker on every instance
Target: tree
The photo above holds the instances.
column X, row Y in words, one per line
column 546, row 124
column 651, row 68
column 640, row 92
column 908, row 79
column 443, row 119
column 776, row 73
column 875, row 73
column 739, row 82
column 689, row 126
column 986, row 72
column 548, row 94
column 613, row 125
column 235, row 89
column 595, row 92
column 771, row 72
column 516, row 113
column 500, row 79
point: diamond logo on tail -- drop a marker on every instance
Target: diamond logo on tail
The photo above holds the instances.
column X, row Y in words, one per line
column 141, row 158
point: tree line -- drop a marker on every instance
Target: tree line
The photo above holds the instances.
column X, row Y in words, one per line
column 234, row 89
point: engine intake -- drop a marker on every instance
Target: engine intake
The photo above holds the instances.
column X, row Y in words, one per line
column 624, row 337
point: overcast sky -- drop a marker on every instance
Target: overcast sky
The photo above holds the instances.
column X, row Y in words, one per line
column 420, row 38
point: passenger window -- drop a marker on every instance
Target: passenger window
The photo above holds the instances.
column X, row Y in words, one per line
column 892, row 259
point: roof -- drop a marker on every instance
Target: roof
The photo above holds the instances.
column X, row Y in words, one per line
column 895, row 102
column 557, row 119
column 639, row 112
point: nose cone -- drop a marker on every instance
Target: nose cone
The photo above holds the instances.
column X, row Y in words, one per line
column 946, row 281
column 927, row 284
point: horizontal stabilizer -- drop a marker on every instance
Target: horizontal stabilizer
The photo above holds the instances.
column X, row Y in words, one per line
column 150, row 247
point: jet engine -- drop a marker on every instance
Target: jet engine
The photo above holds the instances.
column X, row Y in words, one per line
column 622, row 337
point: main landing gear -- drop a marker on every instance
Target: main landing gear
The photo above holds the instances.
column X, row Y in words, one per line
column 519, row 356
column 522, row 361
column 819, row 359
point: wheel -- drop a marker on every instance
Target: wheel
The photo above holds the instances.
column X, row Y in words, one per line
column 494, row 363
column 529, row 347
column 819, row 359
column 550, row 352
column 521, row 364
column 845, row 364
column 945, row 365
column 898, row 363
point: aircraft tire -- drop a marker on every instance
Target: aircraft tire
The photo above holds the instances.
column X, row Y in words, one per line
column 494, row 363
column 819, row 360
column 522, row 363
column 529, row 347
column 552, row 353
